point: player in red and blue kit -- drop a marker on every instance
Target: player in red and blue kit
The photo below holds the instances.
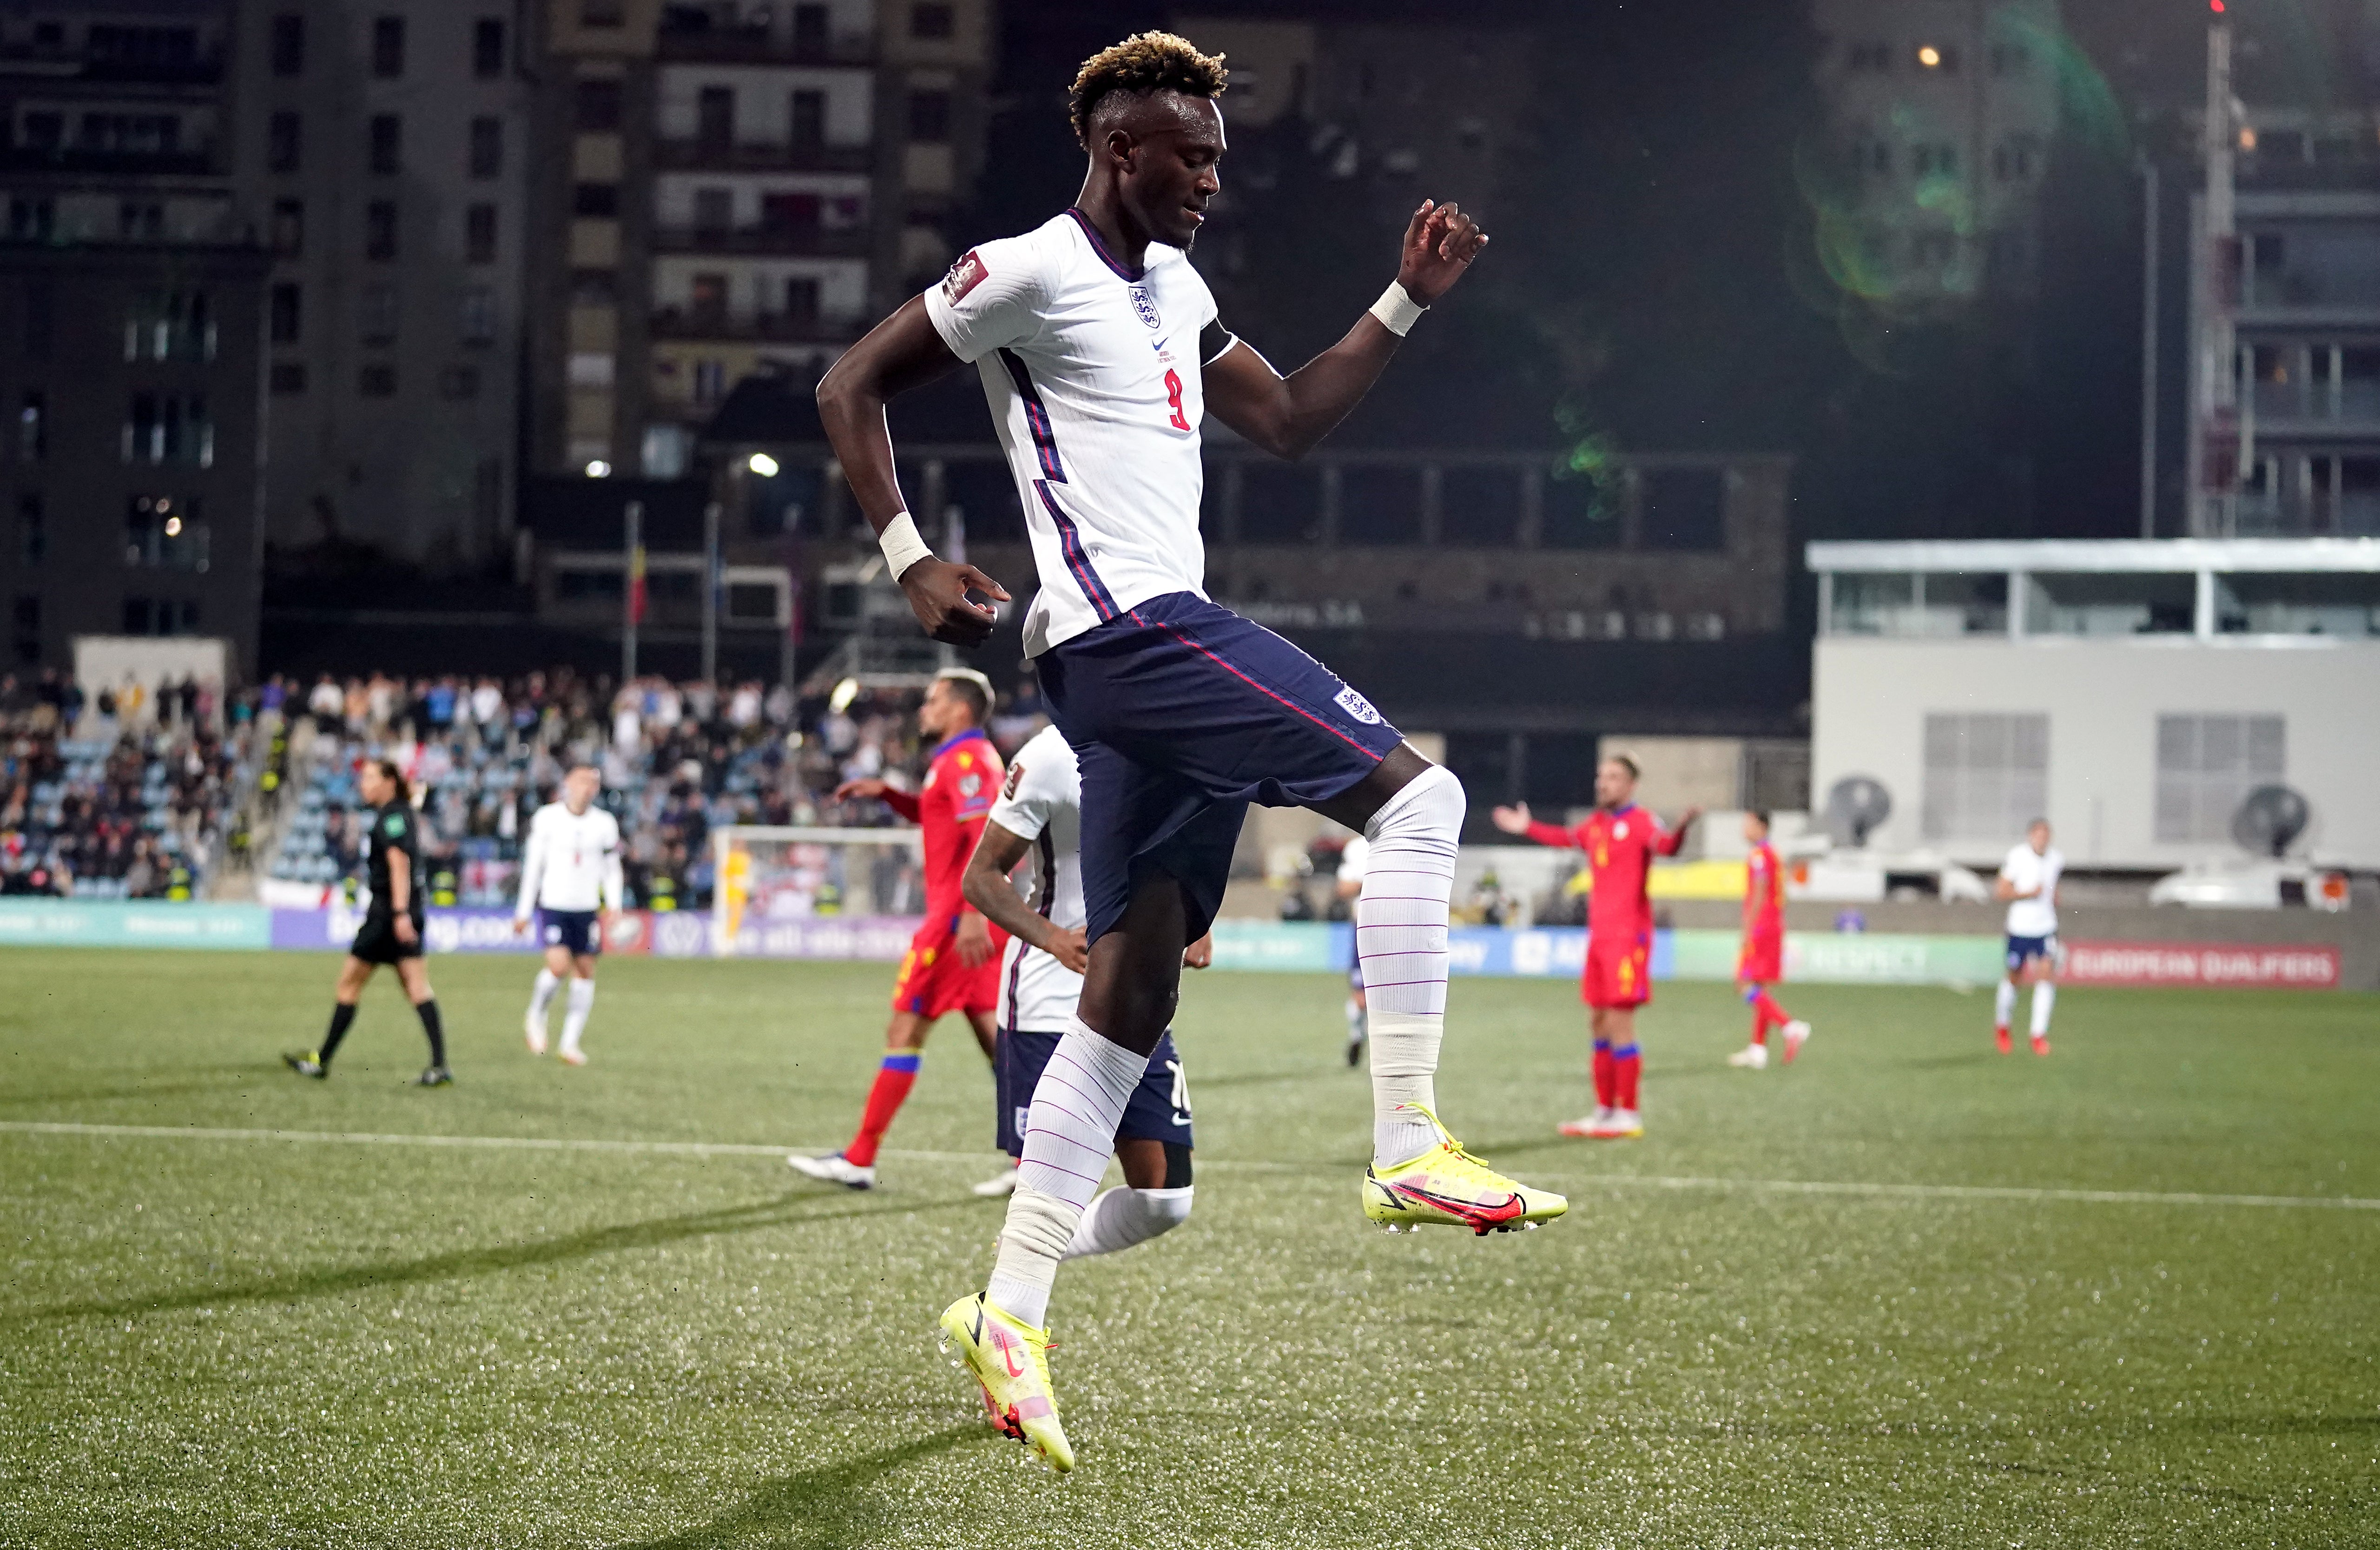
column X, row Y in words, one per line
column 954, row 961
column 1762, row 962
column 1620, row 840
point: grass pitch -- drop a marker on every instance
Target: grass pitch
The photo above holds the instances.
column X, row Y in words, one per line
column 2040, row 1331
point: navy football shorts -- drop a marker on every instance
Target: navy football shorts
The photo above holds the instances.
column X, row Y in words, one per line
column 1158, row 1110
column 577, row 932
column 2022, row 950
column 1182, row 713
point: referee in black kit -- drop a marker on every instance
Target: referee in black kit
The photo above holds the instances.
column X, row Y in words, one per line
column 393, row 925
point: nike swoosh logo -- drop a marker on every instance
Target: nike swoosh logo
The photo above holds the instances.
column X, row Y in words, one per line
column 1008, row 1357
column 1472, row 1213
column 1181, row 1120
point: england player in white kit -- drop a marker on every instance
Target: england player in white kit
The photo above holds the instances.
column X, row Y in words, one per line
column 1039, row 815
column 571, row 876
column 2028, row 880
column 1101, row 356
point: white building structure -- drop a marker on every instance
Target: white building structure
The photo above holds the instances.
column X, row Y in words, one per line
column 2132, row 692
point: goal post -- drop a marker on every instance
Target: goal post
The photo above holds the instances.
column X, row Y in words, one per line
column 772, row 874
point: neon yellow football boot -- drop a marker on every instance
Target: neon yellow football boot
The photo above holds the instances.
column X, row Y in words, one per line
column 1011, row 1361
column 1446, row 1186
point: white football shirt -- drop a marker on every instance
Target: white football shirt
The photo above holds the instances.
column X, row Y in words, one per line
column 2036, row 917
column 1092, row 372
column 572, row 861
column 1042, row 801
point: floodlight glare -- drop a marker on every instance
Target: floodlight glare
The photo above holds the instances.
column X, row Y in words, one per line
column 762, row 463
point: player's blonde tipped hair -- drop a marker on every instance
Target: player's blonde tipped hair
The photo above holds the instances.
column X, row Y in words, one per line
column 1144, row 62
column 1626, row 761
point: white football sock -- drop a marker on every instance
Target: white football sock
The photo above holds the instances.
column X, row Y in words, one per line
column 1354, row 1019
column 1123, row 1217
column 2044, row 995
column 1401, row 939
column 1069, row 1135
column 574, row 1020
column 548, row 982
column 2004, row 1004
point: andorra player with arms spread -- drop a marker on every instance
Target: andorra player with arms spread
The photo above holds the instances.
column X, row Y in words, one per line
column 954, row 961
column 1620, row 840
column 1100, row 352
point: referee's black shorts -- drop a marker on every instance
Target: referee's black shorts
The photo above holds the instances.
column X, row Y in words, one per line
column 377, row 942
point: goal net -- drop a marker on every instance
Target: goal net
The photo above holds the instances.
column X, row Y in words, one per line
column 793, row 892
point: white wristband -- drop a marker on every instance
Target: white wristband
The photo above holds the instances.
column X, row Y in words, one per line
column 902, row 548
column 1396, row 310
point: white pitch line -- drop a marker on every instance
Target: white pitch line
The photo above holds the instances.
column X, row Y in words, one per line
column 754, row 1149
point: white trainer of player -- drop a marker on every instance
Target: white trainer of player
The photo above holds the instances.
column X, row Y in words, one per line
column 834, row 1169
column 1617, row 1124
column 1001, row 1183
column 534, row 1024
column 1797, row 1034
column 1752, row 1057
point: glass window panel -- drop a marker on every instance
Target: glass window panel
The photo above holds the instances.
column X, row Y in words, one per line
column 2118, row 603
column 2345, row 604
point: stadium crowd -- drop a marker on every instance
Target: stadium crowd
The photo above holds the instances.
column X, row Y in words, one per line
column 129, row 794
column 143, row 791
column 678, row 760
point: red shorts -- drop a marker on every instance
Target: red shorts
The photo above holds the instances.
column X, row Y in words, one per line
column 933, row 981
column 1618, row 975
column 1763, row 958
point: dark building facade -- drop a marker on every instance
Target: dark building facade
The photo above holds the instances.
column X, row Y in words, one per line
column 132, row 448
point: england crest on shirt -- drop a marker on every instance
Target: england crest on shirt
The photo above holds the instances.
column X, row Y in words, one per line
column 1358, row 707
column 1146, row 306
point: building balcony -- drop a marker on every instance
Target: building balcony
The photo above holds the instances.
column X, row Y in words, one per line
column 794, row 242
column 697, row 155
column 184, row 161
column 48, row 66
column 702, row 324
column 700, row 34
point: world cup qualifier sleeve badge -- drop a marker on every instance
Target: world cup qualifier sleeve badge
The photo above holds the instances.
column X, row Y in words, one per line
column 964, row 277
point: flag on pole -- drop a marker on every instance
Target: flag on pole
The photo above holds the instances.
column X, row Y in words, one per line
column 636, row 583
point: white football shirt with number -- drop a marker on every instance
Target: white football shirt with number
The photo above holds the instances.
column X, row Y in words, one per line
column 1042, row 801
column 572, row 861
column 2027, row 869
column 1092, row 371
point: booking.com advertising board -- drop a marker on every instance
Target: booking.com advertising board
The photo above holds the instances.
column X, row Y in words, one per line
column 1825, row 958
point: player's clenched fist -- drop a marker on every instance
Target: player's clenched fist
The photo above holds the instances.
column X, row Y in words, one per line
column 937, row 591
column 1440, row 242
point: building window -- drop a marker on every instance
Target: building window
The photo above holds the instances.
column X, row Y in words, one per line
column 478, row 319
column 380, row 229
column 929, row 117
column 39, row 301
column 598, row 200
column 808, row 120
column 287, row 316
column 288, row 378
column 458, row 383
column 714, row 117
column 377, row 380
column 594, row 287
column 165, row 533
column 288, row 227
column 376, row 314
column 2206, row 766
column 930, row 18
column 1685, row 509
column 280, row 142
column 387, row 144
column 160, row 616
column 480, row 234
column 388, row 47
column 810, row 33
column 169, row 428
column 710, row 382
column 288, row 45
column 2012, row 163
column 33, row 427
column 801, row 300
column 35, row 217
column 599, row 13
column 487, row 47
column 28, row 616
column 1871, row 57
column 487, row 147
column 1926, row 160
column 1986, row 776
column 33, row 527
column 596, row 106
column 169, row 325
